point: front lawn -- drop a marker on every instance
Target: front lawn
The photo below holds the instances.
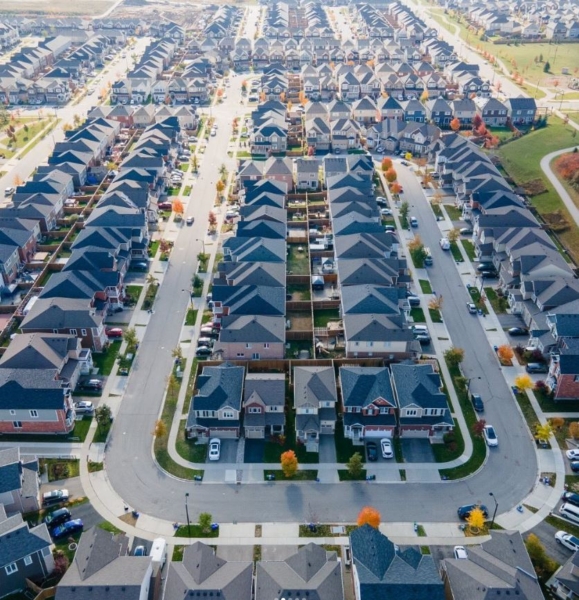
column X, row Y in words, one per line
column 65, row 468
column 435, row 315
column 195, row 531
column 105, row 361
column 191, row 317
column 417, row 315
column 469, row 249
column 189, row 449
column 499, row 303
column 344, row 447
column 455, row 214
column 425, row 286
column 273, row 449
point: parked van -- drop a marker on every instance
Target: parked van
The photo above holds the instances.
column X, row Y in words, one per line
column 570, row 511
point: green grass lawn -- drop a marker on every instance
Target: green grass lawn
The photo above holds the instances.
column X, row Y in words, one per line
column 195, row 531
column 105, row 361
column 303, row 475
column 425, row 286
column 435, row 315
column 110, row 527
column 323, row 316
column 57, row 468
column 345, row 475
column 521, row 160
column 547, row 404
column 191, row 317
column 80, row 431
column 455, row 251
column 153, row 247
column 102, row 431
column 452, row 450
column 455, row 214
column 298, row 263
column 499, row 303
column 189, row 449
column 23, row 137
column 528, row 412
column 469, row 249
column 344, row 447
column 417, row 315
column 476, row 298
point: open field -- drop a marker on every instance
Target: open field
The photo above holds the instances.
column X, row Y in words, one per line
column 56, row 7
column 521, row 160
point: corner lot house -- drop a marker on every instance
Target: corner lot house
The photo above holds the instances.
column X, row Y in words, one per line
column 19, row 482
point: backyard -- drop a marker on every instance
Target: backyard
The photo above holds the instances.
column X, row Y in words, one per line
column 298, row 262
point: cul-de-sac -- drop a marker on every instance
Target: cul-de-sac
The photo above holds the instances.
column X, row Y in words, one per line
column 289, row 300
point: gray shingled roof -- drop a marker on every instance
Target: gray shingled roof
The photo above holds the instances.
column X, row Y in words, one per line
column 219, row 387
column 268, row 387
column 9, row 470
column 418, row 385
column 252, row 328
column 362, row 386
column 313, row 385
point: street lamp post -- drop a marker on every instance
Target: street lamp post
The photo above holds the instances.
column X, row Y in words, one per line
column 187, row 513
column 495, row 511
column 202, row 244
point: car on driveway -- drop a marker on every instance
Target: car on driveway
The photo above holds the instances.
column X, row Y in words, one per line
column 567, row 540
column 57, row 517
column 114, row 332
column 385, row 212
column 490, row 436
column 514, row 331
column 95, row 385
column 413, row 300
column 214, row 449
column 572, row 454
column 372, row 451
column 386, row 447
column 67, row 529
column 466, row 231
column 203, row 351
column 571, row 498
column 574, row 465
column 464, row 511
column 471, row 308
column 84, row 407
column 54, row 497
column 460, row 552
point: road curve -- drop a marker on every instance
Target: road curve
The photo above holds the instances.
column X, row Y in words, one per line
column 559, row 187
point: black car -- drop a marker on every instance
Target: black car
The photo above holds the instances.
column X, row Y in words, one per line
column 372, row 451
column 464, row 511
column 203, row 351
column 571, row 497
column 518, row 331
column 414, row 300
column 485, row 266
column 477, row 403
column 488, row 274
column 58, row 517
column 574, row 466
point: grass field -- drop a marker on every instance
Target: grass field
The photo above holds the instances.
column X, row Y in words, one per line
column 521, row 160
column 56, row 7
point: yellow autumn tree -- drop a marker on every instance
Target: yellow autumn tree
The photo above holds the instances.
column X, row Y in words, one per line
column 370, row 516
column 289, row 463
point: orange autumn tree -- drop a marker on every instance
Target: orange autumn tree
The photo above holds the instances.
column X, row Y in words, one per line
column 386, row 164
column 391, row 175
column 369, row 515
column 289, row 463
column 455, row 124
column 395, row 188
column 178, row 207
column 505, row 353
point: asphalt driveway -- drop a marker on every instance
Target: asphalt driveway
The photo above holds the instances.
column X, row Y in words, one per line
column 254, row 450
column 417, row 450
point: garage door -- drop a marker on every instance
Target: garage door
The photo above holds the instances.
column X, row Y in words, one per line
column 414, row 433
column 254, row 433
column 224, row 434
column 377, row 433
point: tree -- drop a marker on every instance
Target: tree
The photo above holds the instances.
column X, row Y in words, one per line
column 477, row 121
column 369, row 516
column 205, row 520
column 289, row 105
column 574, row 430
column 355, row 465
column 177, row 353
column 544, row 565
column 130, row 337
column 415, row 243
column 435, row 303
column 212, row 219
column 17, row 180
column 219, row 92
column 103, row 415
column 546, row 67
column 172, row 385
column 505, row 353
column 543, row 431
column 476, row 519
column 223, row 171
column 160, row 429
column 455, row 124
column 453, row 235
column 524, row 382
column 219, row 186
column 178, row 207
column 311, row 150
column 395, row 188
column 454, row 356
column 424, row 96
column 404, row 209
column 302, row 98
column 478, row 428
column 391, row 175
column 61, row 564
column 282, row 97
column 386, row 164
column 289, row 463
column 557, row 422
column 194, row 163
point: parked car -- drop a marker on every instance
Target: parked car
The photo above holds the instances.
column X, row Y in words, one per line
column 140, row 266
column 413, row 222
column 165, row 206
column 66, row 529
column 390, row 228
column 413, row 300
column 57, row 517
column 490, row 436
column 380, row 200
column 460, row 552
column 84, row 408
column 571, row 498
column 140, row 551
column 372, row 451
column 536, row 368
column 190, row 221
column 205, row 341
column 9, row 191
column 471, row 308
column 464, row 511
column 386, row 447
column 92, row 384
column 466, row 230
column 385, row 212
column 567, row 540
column 488, row 274
column 423, row 339
column 114, row 332
column 477, row 402
column 203, row 351
column 514, row 331
column 214, row 449
column 572, row 454
column 54, row 497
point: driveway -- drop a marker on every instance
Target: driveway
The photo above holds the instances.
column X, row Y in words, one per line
column 327, row 449
column 235, row 553
column 416, row 450
column 254, row 450
column 228, row 451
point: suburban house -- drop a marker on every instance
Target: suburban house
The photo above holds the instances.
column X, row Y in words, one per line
column 26, row 553
column 315, row 399
column 423, row 406
column 19, row 482
column 307, row 174
column 521, row 111
column 312, row 570
column 564, row 583
column 369, row 403
column 500, row 566
column 103, row 566
column 251, row 337
column 264, row 405
column 215, row 409
column 202, row 574
column 381, row 570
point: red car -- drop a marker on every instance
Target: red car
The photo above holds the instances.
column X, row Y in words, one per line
column 114, row 332
column 165, row 206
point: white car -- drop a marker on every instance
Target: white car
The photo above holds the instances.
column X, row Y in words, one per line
column 380, row 149
column 381, row 200
column 460, row 552
column 214, row 449
column 572, row 454
column 386, row 447
column 490, row 436
column 567, row 540
column 213, row 133
column 385, row 212
column 84, row 407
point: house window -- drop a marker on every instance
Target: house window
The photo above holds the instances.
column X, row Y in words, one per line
column 240, row 355
column 228, row 414
column 83, row 332
column 384, row 411
column 411, row 413
column 34, row 413
column 17, row 424
column 248, row 345
column 266, row 346
column 73, row 332
column 12, row 568
column 255, row 410
column 28, row 560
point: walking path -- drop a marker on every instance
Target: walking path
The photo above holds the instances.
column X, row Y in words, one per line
column 559, row 187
